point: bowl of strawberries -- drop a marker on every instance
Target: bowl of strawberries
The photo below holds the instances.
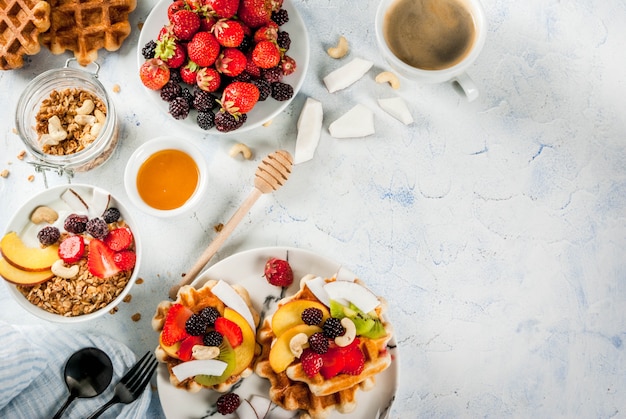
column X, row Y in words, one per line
column 219, row 66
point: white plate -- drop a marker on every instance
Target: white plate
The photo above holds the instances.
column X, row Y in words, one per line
column 264, row 110
column 246, row 269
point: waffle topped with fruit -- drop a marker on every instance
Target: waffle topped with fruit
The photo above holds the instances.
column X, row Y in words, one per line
column 322, row 345
column 207, row 336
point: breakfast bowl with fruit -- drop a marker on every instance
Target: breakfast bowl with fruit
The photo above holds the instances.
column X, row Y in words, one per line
column 70, row 253
column 218, row 66
column 324, row 346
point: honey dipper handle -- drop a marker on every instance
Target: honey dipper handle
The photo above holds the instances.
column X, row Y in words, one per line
column 215, row 245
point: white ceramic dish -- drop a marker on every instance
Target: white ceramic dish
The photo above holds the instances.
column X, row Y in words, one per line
column 246, row 269
column 263, row 111
column 21, row 224
column 146, row 150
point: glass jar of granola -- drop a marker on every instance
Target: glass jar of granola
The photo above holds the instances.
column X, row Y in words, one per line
column 67, row 120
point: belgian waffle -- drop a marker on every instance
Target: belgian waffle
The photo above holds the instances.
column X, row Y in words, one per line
column 196, row 300
column 21, row 22
column 292, row 389
column 86, row 26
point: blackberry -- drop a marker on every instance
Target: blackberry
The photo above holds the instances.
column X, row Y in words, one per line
column 148, row 49
column 246, row 44
column 210, row 314
column 196, row 325
column 225, row 122
column 228, row 403
column 312, row 316
column 175, row 75
column 188, row 95
column 111, row 215
column 281, row 91
column 179, row 108
column 265, row 89
column 75, row 223
column 280, row 17
column 97, row 227
column 333, row 328
column 170, row 91
column 284, row 40
column 318, row 343
column 204, row 101
column 243, row 76
column 48, row 235
column 273, row 74
column 206, row 120
column 212, row 338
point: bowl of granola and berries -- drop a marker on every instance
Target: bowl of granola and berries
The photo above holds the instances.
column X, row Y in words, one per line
column 70, row 253
column 223, row 66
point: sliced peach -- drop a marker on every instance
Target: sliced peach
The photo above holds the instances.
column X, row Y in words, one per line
column 280, row 355
column 20, row 277
column 289, row 315
column 171, row 350
column 27, row 258
column 244, row 352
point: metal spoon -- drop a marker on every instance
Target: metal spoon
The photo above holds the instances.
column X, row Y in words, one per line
column 88, row 372
column 271, row 174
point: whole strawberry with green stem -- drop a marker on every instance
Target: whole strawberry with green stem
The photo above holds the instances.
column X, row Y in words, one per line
column 228, row 32
column 255, row 13
column 278, row 272
column 266, row 54
column 154, row 73
column 231, row 62
column 224, row 9
column 239, row 97
column 170, row 51
column 203, row 49
column 185, row 24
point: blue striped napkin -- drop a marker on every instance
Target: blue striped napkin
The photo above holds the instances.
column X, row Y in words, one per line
column 32, row 361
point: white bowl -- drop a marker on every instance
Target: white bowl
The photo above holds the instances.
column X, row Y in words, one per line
column 146, row 150
column 263, row 111
column 21, row 224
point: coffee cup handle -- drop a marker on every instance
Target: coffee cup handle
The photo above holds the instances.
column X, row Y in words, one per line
column 467, row 85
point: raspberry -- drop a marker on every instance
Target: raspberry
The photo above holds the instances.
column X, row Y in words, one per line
column 206, row 120
column 204, row 101
column 75, row 223
column 48, row 235
column 111, row 215
column 212, row 338
column 312, row 316
column 318, row 343
column 281, row 91
column 179, row 108
column 311, row 362
column 225, row 122
column 196, row 325
column 148, row 50
column 228, row 403
column 170, row 91
column 210, row 314
column 265, row 89
column 97, row 227
column 284, row 40
column 280, row 17
column 333, row 328
column 273, row 74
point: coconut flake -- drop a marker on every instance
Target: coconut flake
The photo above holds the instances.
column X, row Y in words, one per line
column 195, row 367
column 232, row 299
column 74, row 201
column 316, row 286
column 357, row 294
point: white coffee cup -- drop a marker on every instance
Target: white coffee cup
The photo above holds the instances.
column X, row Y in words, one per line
column 425, row 69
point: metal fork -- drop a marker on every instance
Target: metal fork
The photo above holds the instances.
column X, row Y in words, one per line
column 132, row 384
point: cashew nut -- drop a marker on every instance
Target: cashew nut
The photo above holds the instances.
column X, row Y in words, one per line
column 86, row 108
column 340, row 50
column 44, row 214
column 205, row 352
column 100, row 116
column 298, row 343
column 240, row 148
column 59, row 269
column 56, row 133
column 95, row 129
column 388, row 77
column 85, row 119
column 347, row 338
column 268, row 123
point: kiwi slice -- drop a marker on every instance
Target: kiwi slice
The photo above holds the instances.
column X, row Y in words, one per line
column 367, row 325
column 227, row 354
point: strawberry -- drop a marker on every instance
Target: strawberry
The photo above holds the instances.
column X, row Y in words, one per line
column 230, row 330
column 186, row 346
column 276, row 5
column 189, row 72
column 231, row 62
column 72, row 249
column 166, row 31
column 174, row 7
column 266, row 54
column 354, row 360
column 255, row 13
column 311, row 362
column 252, row 68
column 174, row 325
column 229, row 33
column 125, row 260
column 100, row 260
column 278, row 272
column 208, row 79
column 170, row 51
column 185, row 24
column 154, row 74
column 239, row 97
column 203, row 49
column 206, row 22
column 268, row 32
column 223, row 8
column 332, row 362
column 119, row 239
column 288, row 65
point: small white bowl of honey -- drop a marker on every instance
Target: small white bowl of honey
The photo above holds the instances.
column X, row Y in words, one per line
column 166, row 177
